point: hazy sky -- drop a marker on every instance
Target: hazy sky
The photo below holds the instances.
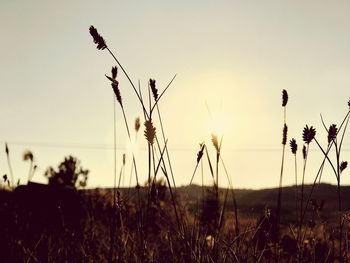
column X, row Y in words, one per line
column 231, row 57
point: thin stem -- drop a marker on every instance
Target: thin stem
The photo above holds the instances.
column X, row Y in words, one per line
column 233, row 197
column 302, row 196
column 194, row 172
column 326, row 156
column 10, row 166
column 210, row 167
column 161, row 95
column 166, row 150
column 202, row 177
column 318, row 175
column 296, row 188
column 137, row 185
column 113, row 223
column 30, row 171
column 337, row 152
column 130, row 81
column 181, row 227
column 154, row 165
column 279, row 199
column 120, row 176
column 342, row 137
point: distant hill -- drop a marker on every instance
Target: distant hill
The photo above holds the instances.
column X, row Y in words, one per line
column 252, row 202
column 255, row 201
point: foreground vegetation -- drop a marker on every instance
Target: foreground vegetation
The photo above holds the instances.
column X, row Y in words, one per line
column 159, row 222
column 75, row 226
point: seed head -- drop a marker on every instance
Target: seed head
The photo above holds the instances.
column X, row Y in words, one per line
column 293, row 146
column 343, row 165
column 152, row 83
column 215, row 141
column 124, row 159
column 28, row 155
column 116, row 90
column 200, row 153
column 6, row 149
column 285, row 131
column 304, row 152
column 332, row 133
column 349, row 104
column 284, row 98
column 137, row 124
column 150, row 131
column 114, row 72
column 5, row 178
column 309, row 134
column 98, row 39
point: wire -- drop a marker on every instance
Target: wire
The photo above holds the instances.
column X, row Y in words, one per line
column 181, row 148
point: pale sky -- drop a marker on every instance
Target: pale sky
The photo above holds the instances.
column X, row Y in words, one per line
column 233, row 57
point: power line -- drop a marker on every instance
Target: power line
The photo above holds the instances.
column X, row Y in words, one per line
column 187, row 148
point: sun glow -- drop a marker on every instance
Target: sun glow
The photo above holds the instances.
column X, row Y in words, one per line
column 218, row 123
column 131, row 147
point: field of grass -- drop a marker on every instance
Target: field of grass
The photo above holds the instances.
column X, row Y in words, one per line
column 76, row 226
column 160, row 222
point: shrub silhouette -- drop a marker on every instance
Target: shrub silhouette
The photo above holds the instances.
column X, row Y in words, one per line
column 69, row 173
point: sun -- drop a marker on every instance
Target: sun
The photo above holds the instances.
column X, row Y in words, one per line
column 131, row 147
column 218, row 123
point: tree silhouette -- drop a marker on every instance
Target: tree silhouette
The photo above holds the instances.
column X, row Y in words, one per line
column 69, row 173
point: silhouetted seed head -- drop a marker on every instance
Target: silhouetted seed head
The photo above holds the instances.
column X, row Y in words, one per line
column 349, row 104
column 150, row 131
column 137, row 124
column 304, row 152
column 200, row 153
column 285, row 131
column 124, row 159
column 214, row 140
column 284, row 98
column 28, row 155
column 5, row 178
column 332, row 133
column 6, row 149
column 343, row 166
column 114, row 72
column 152, row 83
column 101, row 44
column 308, row 134
column 293, row 146
column 116, row 90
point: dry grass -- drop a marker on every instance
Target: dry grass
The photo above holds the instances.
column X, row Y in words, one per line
column 154, row 223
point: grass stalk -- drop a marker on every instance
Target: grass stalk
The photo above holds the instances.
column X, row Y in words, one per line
column 284, row 141
column 166, row 149
column 302, row 194
column 296, row 188
column 9, row 165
